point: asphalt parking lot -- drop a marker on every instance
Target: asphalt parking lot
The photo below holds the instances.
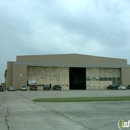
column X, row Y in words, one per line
column 19, row 112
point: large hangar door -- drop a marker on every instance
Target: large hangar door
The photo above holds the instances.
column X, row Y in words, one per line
column 77, row 78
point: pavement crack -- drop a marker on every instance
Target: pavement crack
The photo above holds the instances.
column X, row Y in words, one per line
column 6, row 118
column 71, row 119
column 64, row 116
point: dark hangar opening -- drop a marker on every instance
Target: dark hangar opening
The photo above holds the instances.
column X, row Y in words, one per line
column 77, row 78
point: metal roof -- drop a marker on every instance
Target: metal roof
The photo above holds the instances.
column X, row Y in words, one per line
column 69, row 65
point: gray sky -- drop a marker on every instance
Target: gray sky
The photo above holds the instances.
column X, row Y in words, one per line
column 91, row 27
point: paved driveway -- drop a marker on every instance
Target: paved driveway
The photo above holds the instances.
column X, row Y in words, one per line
column 19, row 112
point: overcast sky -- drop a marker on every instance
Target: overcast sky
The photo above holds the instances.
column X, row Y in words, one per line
column 91, row 27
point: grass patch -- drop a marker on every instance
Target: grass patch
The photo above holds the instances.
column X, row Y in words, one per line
column 83, row 99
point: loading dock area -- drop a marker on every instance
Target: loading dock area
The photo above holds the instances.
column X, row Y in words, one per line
column 77, row 78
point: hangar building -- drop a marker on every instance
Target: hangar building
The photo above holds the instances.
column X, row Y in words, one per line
column 71, row 71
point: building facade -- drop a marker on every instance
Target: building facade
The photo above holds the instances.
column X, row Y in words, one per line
column 71, row 71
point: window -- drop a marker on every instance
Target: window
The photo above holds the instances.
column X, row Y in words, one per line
column 101, row 78
column 113, row 80
column 109, row 79
column 118, row 81
column 105, row 79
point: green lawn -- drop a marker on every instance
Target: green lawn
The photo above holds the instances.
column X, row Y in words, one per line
column 83, row 99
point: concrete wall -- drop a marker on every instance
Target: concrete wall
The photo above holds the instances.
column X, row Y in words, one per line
column 49, row 75
column 100, row 78
column 125, row 72
column 19, row 75
column 55, row 75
